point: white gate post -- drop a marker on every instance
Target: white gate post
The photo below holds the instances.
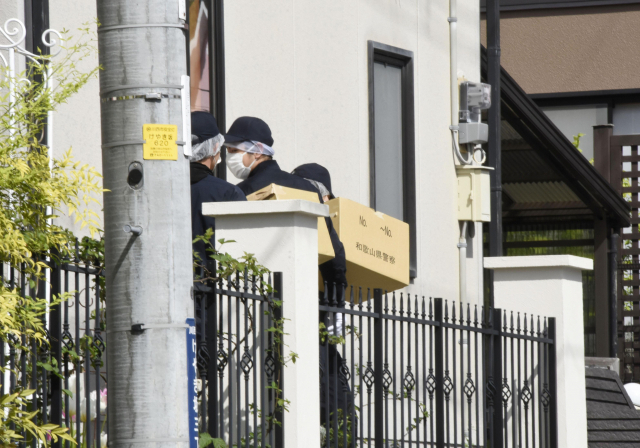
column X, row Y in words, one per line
column 283, row 236
column 551, row 285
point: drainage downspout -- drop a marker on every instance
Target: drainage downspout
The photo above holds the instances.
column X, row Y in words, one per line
column 453, row 69
column 462, row 249
column 613, row 294
column 494, row 149
column 455, row 104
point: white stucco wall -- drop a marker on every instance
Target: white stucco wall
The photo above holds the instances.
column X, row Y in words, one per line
column 10, row 9
column 302, row 67
column 77, row 123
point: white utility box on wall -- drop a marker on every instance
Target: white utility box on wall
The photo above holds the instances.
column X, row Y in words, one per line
column 474, row 193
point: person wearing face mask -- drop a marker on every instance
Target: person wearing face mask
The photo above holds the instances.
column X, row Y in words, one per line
column 250, row 158
column 206, row 142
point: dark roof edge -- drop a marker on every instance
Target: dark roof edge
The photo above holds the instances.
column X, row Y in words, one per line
column 562, row 150
column 605, row 94
column 528, row 5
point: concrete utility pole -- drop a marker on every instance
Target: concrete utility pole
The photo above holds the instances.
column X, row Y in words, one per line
column 147, row 219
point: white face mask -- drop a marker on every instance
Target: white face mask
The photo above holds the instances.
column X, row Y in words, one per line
column 236, row 166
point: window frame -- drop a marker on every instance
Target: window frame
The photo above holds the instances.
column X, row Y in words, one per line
column 217, row 86
column 403, row 59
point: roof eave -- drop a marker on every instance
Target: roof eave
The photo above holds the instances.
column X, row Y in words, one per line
column 562, row 150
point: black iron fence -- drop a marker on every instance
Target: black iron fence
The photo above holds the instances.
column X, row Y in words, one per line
column 395, row 370
column 409, row 371
column 240, row 360
column 69, row 373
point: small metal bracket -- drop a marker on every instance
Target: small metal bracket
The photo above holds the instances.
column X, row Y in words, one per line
column 141, row 328
column 103, row 29
column 135, row 230
column 153, row 96
column 133, row 97
column 452, row 19
column 106, row 91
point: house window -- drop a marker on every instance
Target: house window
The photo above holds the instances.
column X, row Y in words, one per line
column 391, row 137
column 199, row 55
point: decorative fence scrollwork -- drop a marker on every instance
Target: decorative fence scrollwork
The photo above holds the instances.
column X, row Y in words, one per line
column 448, row 375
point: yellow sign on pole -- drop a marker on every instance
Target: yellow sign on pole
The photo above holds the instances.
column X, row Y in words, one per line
column 160, row 142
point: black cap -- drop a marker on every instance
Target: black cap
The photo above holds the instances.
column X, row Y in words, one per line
column 249, row 128
column 204, row 126
column 315, row 172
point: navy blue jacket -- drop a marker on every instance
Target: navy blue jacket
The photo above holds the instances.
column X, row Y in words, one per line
column 267, row 173
column 205, row 187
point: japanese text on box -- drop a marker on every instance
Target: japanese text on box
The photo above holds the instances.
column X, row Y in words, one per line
column 160, row 141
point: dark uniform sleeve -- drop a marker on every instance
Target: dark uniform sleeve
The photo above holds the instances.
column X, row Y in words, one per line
column 210, row 190
column 236, row 194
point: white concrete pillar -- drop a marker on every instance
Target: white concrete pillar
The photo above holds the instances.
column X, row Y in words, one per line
column 283, row 236
column 551, row 285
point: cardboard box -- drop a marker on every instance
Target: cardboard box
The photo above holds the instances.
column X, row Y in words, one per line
column 275, row 192
column 376, row 245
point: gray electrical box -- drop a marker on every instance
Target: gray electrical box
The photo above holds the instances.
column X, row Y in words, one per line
column 474, row 98
column 475, row 133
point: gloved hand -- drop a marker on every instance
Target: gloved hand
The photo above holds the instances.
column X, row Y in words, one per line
column 335, row 330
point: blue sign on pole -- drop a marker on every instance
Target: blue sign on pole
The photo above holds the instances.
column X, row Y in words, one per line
column 192, row 385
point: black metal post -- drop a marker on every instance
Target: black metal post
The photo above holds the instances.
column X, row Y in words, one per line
column 613, row 294
column 496, row 376
column 378, row 346
column 439, row 355
column 218, row 107
column 494, row 147
column 212, row 370
column 553, row 385
column 55, row 329
column 279, row 371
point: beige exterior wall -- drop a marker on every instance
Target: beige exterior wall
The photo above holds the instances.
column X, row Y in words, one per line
column 302, row 67
column 571, row 50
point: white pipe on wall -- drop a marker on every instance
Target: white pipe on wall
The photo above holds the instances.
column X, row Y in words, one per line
column 453, row 61
column 453, row 68
column 462, row 249
column 453, row 58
